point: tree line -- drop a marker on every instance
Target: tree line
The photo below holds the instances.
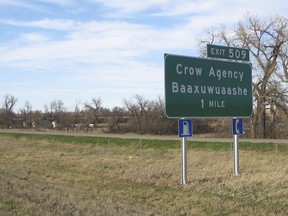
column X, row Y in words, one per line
column 138, row 115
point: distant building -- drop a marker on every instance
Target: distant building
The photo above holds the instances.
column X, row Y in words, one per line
column 42, row 124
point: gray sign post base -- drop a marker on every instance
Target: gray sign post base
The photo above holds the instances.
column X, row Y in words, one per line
column 184, row 160
column 236, row 155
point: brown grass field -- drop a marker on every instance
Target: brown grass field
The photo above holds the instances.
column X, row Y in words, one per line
column 42, row 177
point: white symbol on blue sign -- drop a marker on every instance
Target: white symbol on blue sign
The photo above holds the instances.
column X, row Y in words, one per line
column 237, row 126
column 185, row 128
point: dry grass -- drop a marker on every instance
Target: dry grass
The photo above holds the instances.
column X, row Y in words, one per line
column 51, row 178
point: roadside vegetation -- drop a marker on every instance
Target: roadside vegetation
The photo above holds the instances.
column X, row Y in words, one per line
column 69, row 175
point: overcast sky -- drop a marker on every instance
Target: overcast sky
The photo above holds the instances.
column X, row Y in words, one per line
column 75, row 50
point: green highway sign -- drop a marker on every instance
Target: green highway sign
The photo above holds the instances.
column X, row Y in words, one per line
column 224, row 52
column 197, row 87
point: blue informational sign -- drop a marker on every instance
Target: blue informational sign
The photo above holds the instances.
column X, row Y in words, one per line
column 237, row 126
column 185, row 128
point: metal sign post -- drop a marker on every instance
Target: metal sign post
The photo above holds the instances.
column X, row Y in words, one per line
column 184, row 160
column 184, row 130
column 236, row 155
column 237, row 129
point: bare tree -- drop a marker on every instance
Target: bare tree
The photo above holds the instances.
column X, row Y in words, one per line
column 8, row 105
column 26, row 114
column 147, row 116
column 56, row 111
column 266, row 40
column 115, row 118
column 94, row 110
column 137, row 111
column 77, row 117
column 9, row 102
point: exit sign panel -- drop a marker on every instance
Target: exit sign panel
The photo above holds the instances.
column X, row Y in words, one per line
column 224, row 52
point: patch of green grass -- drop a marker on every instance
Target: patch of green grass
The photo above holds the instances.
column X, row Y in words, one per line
column 149, row 143
column 145, row 143
column 7, row 205
column 281, row 148
column 213, row 146
column 257, row 146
